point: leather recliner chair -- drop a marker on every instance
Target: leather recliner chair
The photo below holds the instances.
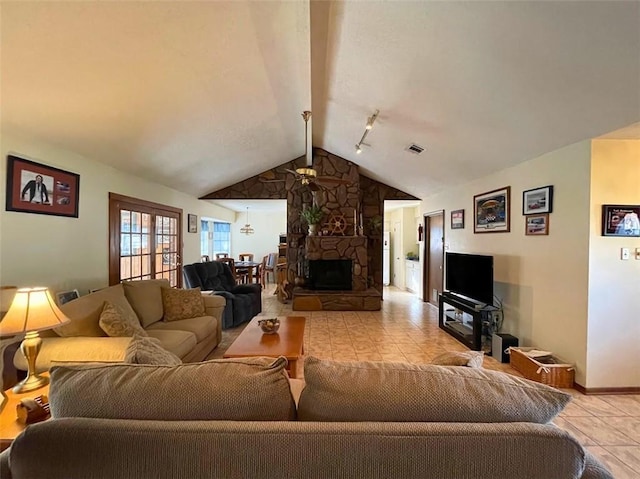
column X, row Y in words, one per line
column 243, row 301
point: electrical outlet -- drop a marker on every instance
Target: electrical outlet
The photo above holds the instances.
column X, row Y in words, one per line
column 624, row 253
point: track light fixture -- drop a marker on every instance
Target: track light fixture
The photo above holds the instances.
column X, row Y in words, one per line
column 367, row 128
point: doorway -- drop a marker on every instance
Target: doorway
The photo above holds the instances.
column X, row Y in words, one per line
column 145, row 241
column 434, row 256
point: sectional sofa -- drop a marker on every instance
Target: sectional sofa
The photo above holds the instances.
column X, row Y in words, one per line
column 239, row 419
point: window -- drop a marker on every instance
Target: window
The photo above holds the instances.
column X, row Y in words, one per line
column 215, row 238
column 145, row 241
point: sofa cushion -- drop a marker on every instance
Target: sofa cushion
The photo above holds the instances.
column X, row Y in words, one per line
column 180, row 343
column 75, row 349
column 146, row 350
column 202, row 327
column 182, row 303
column 374, row 391
column 145, row 298
column 84, row 312
column 247, row 389
column 116, row 321
column 472, row 359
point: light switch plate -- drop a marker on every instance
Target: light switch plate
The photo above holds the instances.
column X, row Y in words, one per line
column 624, row 253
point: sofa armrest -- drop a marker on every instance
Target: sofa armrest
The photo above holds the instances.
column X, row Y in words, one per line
column 214, row 306
column 78, row 348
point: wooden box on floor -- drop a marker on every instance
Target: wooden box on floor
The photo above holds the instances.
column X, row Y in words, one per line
column 555, row 374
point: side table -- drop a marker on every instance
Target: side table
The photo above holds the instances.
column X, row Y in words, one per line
column 9, row 425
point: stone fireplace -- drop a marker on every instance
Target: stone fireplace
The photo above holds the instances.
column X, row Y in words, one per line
column 353, row 248
column 359, row 203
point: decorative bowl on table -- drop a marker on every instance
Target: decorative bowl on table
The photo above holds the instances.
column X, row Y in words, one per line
column 269, row 325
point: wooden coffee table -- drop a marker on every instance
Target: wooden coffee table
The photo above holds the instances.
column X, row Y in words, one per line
column 287, row 342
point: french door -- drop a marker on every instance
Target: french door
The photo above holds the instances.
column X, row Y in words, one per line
column 145, row 240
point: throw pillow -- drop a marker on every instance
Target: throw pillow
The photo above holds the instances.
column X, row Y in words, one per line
column 147, row 350
column 145, row 298
column 397, row 392
column 472, row 359
column 243, row 389
column 116, row 321
column 182, row 303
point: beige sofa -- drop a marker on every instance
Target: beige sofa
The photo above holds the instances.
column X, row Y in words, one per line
column 83, row 340
column 238, row 419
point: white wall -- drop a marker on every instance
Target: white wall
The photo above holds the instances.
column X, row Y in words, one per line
column 614, row 285
column 66, row 253
column 541, row 279
column 268, row 226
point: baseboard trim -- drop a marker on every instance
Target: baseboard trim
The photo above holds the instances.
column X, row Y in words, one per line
column 597, row 391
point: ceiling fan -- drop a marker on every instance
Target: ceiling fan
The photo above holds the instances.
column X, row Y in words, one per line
column 308, row 176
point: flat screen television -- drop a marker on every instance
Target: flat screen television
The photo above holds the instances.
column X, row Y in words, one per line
column 470, row 275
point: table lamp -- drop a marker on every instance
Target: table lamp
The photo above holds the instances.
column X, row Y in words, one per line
column 32, row 310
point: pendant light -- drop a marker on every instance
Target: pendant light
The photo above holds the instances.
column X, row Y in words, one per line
column 247, row 229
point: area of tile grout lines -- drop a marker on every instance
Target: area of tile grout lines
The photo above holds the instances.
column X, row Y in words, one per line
column 406, row 329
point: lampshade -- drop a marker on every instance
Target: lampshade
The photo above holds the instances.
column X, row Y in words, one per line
column 32, row 309
column 6, row 298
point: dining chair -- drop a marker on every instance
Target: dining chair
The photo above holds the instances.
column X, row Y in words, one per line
column 245, row 257
column 204, row 258
column 263, row 269
column 221, row 255
column 240, row 276
column 270, row 267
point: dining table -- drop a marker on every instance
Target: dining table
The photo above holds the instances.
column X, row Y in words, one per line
column 249, row 267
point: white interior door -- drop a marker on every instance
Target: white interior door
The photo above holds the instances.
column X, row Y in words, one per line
column 396, row 248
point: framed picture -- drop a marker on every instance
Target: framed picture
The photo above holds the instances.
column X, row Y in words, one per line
column 491, row 211
column 66, row 296
column 538, row 200
column 457, row 219
column 36, row 188
column 537, row 225
column 621, row 220
column 192, row 223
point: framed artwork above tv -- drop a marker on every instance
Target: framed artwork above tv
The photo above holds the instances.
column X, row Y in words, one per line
column 491, row 211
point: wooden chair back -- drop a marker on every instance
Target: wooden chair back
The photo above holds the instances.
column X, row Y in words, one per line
column 239, row 276
column 245, row 257
column 205, row 258
column 221, row 255
column 270, row 266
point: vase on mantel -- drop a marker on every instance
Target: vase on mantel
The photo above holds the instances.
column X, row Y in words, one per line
column 313, row 230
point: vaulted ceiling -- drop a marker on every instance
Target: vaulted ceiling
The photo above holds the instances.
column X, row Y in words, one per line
column 200, row 95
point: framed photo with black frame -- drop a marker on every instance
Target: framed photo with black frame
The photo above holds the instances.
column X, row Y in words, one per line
column 621, row 220
column 192, row 223
column 537, row 201
column 491, row 211
column 36, row 188
column 457, row 219
column 66, row 296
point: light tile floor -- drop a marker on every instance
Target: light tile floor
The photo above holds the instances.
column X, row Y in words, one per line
column 406, row 329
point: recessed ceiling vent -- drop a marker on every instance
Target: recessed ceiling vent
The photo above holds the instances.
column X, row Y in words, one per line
column 415, row 149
